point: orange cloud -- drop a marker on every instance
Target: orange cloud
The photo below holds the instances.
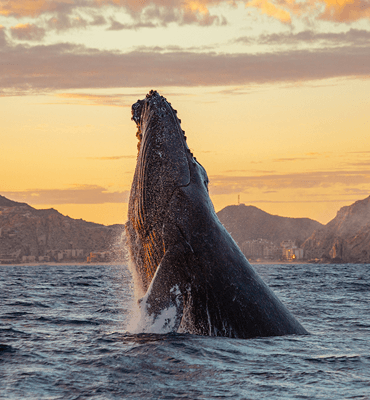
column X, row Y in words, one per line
column 225, row 184
column 345, row 10
column 111, row 158
column 32, row 8
column 79, row 194
column 94, row 99
column 270, row 9
column 330, row 10
column 196, row 6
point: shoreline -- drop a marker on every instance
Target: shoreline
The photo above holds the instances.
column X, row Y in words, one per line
column 51, row 264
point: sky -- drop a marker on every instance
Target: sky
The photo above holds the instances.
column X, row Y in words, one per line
column 273, row 96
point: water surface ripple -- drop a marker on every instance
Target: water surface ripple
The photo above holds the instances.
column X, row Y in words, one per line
column 62, row 336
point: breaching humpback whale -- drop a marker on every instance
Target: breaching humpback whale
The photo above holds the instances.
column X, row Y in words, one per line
column 188, row 265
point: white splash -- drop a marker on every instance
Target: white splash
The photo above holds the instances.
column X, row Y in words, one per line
column 143, row 322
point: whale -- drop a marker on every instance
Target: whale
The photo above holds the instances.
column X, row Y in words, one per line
column 193, row 276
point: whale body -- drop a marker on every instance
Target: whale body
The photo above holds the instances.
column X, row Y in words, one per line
column 187, row 264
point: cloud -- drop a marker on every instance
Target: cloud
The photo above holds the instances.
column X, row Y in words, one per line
column 356, row 37
column 111, row 158
column 345, row 10
column 192, row 11
column 249, row 171
column 59, row 20
column 98, row 20
column 3, row 38
column 167, row 10
column 79, row 194
column 357, row 191
column 118, row 26
column 155, row 15
column 27, row 32
column 307, row 200
column 63, row 22
column 66, row 66
column 166, row 15
column 111, row 100
column 360, row 163
column 329, row 10
column 222, row 184
column 270, row 9
column 65, row 13
column 292, row 159
column 27, row 8
column 318, row 154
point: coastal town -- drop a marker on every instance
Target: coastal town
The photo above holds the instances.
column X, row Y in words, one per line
column 255, row 250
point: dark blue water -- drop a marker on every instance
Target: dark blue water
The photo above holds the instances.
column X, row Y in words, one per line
column 62, row 336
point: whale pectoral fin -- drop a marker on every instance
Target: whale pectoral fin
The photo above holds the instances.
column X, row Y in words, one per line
column 164, row 298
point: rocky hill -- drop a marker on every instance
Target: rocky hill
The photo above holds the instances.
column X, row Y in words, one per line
column 25, row 231
column 345, row 238
column 4, row 202
column 250, row 223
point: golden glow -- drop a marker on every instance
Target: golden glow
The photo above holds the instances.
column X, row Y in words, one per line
column 268, row 8
column 21, row 26
column 94, row 99
column 298, row 151
column 24, row 7
column 337, row 3
column 196, row 6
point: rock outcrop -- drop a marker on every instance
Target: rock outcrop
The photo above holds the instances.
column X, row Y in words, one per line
column 346, row 238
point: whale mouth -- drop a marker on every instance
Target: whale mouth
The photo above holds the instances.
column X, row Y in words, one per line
column 142, row 112
column 136, row 111
column 153, row 115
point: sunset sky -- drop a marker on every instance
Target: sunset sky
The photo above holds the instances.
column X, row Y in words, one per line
column 274, row 96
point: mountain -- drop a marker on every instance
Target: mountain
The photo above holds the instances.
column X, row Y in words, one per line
column 250, row 223
column 4, row 202
column 26, row 231
column 345, row 238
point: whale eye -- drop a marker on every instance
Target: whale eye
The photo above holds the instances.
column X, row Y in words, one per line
column 206, row 185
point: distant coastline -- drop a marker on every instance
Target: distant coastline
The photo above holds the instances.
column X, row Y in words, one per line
column 44, row 237
column 51, row 264
column 117, row 263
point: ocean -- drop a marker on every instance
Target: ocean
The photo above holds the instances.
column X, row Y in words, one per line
column 64, row 335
